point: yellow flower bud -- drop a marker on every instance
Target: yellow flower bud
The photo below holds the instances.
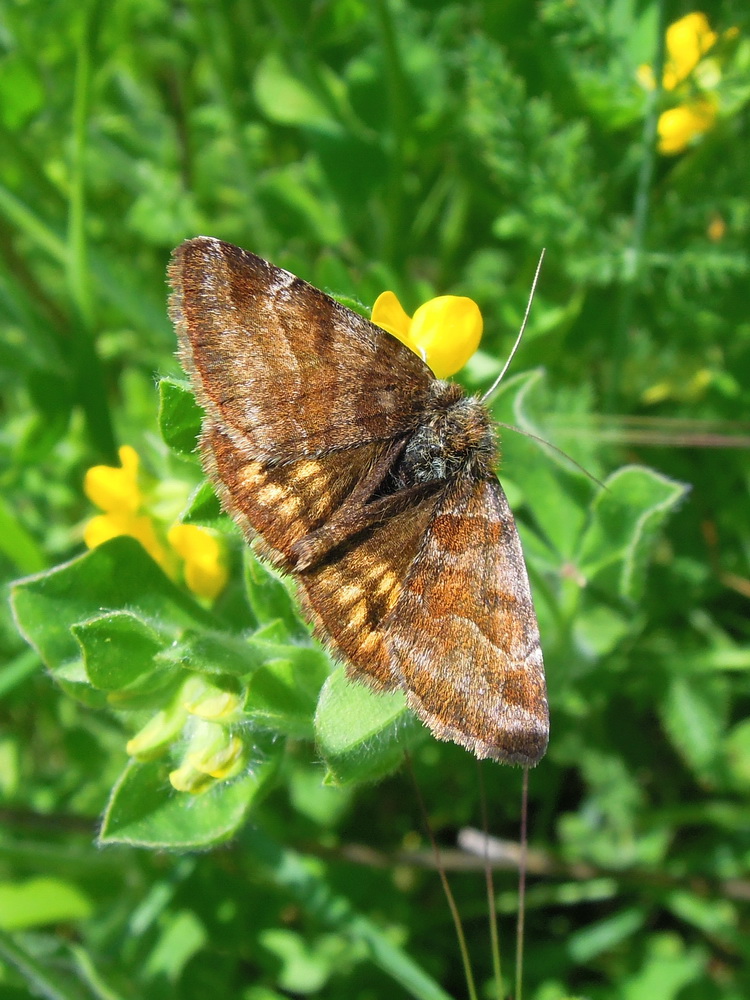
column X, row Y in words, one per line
column 214, row 754
column 208, row 701
column 159, row 732
column 187, row 778
column 220, row 762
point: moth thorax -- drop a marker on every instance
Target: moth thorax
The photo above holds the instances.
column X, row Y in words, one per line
column 454, row 436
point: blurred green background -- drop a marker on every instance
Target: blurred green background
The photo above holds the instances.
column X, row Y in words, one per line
column 427, row 148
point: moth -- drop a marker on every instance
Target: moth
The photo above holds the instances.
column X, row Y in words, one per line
column 374, row 485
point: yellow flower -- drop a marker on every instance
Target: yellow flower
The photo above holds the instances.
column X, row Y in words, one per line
column 205, row 572
column 187, row 778
column 444, row 332
column 222, row 762
column 683, row 389
column 677, row 127
column 688, row 40
column 116, row 491
column 695, row 78
column 105, row 526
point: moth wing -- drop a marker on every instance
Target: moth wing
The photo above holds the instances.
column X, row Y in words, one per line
column 349, row 593
column 463, row 635
column 283, row 368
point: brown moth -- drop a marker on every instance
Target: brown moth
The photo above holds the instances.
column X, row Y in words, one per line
column 373, row 483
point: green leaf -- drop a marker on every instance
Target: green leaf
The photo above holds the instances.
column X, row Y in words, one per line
column 22, row 91
column 667, row 968
column 40, row 901
column 212, row 652
column 117, row 648
column 204, row 508
column 18, row 544
column 558, row 497
column 283, row 694
column 269, row 596
column 599, row 629
column 603, row 935
column 362, row 734
column 179, row 416
column 115, row 575
column 284, row 99
column 144, row 810
column 625, row 520
column 183, row 937
column 737, row 751
column 716, row 918
column 305, row 968
column 694, row 713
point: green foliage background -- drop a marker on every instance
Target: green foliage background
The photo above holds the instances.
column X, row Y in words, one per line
column 426, row 148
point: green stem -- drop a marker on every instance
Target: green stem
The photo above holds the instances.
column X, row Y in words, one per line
column 397, row 105
column 39, row 980
column 641, row 203
column 89, row 374
column 447, row 891
column 520, row 927
column 491, row 901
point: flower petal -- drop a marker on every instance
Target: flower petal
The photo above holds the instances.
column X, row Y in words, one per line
column 446, row 331
column 687, row 42
column 115, row 490
column 205, row 572
column 208, row 701
column 677, row 127
column 159, row 732
column 103, row 527
column 389, row 314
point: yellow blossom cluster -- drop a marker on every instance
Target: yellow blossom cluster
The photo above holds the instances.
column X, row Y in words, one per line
column 199, row 719
column 692, row 78
column 185, row 548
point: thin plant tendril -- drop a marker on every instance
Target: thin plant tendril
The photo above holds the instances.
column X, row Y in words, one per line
column 468, row 972
column 522, row 884
column 491, row 907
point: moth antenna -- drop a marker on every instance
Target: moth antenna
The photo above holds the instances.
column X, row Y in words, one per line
column 506, row 366
column 548, row 444
column 522, row 883
column 491, row 905
column 451, row 899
